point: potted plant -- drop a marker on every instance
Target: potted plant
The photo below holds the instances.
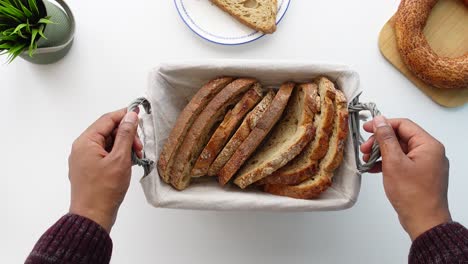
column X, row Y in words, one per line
column 39, row 31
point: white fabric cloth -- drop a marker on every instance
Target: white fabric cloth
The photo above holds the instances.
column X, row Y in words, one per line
column 171, row 85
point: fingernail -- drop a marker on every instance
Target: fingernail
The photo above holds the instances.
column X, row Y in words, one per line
column 380, row 121
column 131, row 117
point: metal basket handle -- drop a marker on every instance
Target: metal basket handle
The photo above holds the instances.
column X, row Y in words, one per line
column 147, row 164
column 355, row 107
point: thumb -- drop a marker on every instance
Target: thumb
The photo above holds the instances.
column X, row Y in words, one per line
column 125, row 135
column 385, row 136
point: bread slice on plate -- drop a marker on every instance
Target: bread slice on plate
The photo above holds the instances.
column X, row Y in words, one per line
column 241, row 134
column 185, row 121
column 257, row 14
column 201, row 130
column 226, row 129
column 288, row 138
column 305, row 164
column 263, row 127
column 319, row 182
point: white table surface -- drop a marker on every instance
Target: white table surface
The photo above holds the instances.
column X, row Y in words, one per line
column 44, row 108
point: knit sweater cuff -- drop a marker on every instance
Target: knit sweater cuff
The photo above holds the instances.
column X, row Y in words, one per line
column 445, row 243
column 73, row 239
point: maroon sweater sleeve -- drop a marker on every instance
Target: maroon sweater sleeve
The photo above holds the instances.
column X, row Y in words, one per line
column 445, row 243
column 73, row 239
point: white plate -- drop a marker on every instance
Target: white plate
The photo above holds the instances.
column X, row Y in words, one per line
column 213, row 24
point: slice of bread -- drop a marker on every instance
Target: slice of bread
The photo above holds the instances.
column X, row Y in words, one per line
column 309, row 189
column 334, row 156
column 257, row 14
column 288, row 138
column 226, row 129
column 305, row 164
column 314, row 186
column 241, row 134
column 185, row 121
column 199, row 133
column 263, row 127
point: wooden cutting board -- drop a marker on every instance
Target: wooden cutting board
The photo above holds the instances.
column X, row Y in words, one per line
column 447, row 33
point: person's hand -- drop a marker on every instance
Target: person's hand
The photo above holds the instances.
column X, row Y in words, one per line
column 100, row 166
column 415, row 172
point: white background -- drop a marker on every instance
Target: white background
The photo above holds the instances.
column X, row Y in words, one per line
column 44, row 108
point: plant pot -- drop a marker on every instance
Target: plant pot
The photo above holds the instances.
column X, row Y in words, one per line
column 59, row 35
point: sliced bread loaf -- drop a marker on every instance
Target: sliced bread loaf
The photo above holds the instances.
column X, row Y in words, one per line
column 288, row 138
column 241, row 134
column 263, row 127
column 226, row 129
column 199, row 133
column 319, row 182
column 305, row 164
column 257, row 14
column 185, row 121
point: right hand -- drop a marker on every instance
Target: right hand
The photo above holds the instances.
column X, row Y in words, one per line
column 415, row 172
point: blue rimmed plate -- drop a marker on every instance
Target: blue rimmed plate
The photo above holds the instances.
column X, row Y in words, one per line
column 212, row 24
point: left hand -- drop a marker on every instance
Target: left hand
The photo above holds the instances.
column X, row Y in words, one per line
column 100, row 166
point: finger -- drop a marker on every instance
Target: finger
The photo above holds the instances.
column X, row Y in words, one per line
column 366, row 147
column 107, row 123
column 366, row 157
column 102, row 128
column 137, row 145
column 387, row 139
column 404, row 128
column 139, row 154
column 125, row 135
column 368, row 126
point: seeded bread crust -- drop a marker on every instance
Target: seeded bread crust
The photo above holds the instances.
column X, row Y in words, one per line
column 241, row 134
column 257, row 14
column 288, row 138
column 226, row 129
column 263, row 127
column 305, row 164
column 199, row 133
column 185, row 120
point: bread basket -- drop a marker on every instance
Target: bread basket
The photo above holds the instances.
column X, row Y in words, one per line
column 171, row 86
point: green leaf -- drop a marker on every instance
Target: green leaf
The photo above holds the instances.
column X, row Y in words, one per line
column 9, row 16
column 8, row 38
column 20, row 33
column 45, row 20
column 33, row 40
column 5, row 46
column 28, row 27
column 10, row 9
column 26, row 11
column 41, row 31
column 33, row 7
column 18, row 28
column 15, row 52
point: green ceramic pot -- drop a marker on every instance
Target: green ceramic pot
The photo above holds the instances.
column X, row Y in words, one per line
column 59, row 35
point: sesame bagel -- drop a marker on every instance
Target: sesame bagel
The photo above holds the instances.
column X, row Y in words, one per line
column 440, row 72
